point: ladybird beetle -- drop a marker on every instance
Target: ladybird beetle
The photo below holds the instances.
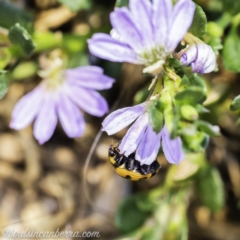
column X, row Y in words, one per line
column 129, row 167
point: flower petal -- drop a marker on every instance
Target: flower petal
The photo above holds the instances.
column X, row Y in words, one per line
column 141, row 11
column 205, row 61
column 46, row 120
column 104, row 46
column 27, row 108
column 70, row 117
column 172, row 148
column 89, row 78
column 134, row 135
column 88, row 100
column 183, row 12
column 121, row 118
column 125, row 26
column 161, row 20
column 189, row 55
column 148, row 148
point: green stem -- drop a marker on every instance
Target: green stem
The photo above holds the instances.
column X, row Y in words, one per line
column 224, row 20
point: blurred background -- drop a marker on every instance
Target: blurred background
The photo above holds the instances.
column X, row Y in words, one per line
column 41, row 186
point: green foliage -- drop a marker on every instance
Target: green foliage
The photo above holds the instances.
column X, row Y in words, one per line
column 77, row 5
column 10, row 15
column 198, row 27
column 132, row 212
column 156, row 116
column 24, row 70
column 231, row 51
column 189, row 113
column 3, row 84
column 213, row 131
column 231, row 6
column 191, row 95
column 235, row 105
column 122, row 3
column 19, row 35
column 209, row 187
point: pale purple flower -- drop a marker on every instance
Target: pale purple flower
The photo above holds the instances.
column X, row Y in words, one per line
column 145, row 33
column 140, row 137
column 201, row 58
column 60, row 98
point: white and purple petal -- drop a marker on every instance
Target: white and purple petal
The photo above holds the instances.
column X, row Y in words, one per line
column 148, row 148
column 162, row 10
column 70, row 117
column 172, row 148
column 201, row 57
column 134, row 135
column 89, row 77
column 182, row 16
column 88, row 100
column 104, row 46
column 205, row 61
column 122, row 21
column 27, row 108
column 46, row 119
column 141, row 11
column 121, row 118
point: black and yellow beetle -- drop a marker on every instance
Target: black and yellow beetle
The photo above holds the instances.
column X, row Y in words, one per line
column 129, row 167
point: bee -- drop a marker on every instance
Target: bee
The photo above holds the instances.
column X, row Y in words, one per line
column 129, row 167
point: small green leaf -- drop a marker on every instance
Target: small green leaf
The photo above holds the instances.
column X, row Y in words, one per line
column 19, row 35
column 176, row 65
column 189, row 113
column 197, row 81
column 185, row 81
column 10, row 14
column 130, row 216
column 235, row 105
column 24, row 70
column 156, row 117
column 122, row 3
column 213, row 131
column 3, row 83
column 198, row 27
column 231, row 51
column 210, row 189
column 77, row 5
column 192, row 95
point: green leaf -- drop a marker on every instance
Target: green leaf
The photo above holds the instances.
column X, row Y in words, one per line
column 231, row 51
column 3, row 83
column 231, row 6
column 24, row 70
column 156, row 117
column 235, row 105
column 130, row 216
column 176, row 65
column 77, row 5
column 19, row 35
column 192, row 95
column 213, row 131
column 188, row 112
column 10, row 14
column 141, row 95
column 122, row 3
column 198, row 27
column 210, row 189
column 197, row 81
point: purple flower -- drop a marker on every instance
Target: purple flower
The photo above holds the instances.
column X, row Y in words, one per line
column 140, row 137
column 146, row 33
column 60, row 97
column 201, row 57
